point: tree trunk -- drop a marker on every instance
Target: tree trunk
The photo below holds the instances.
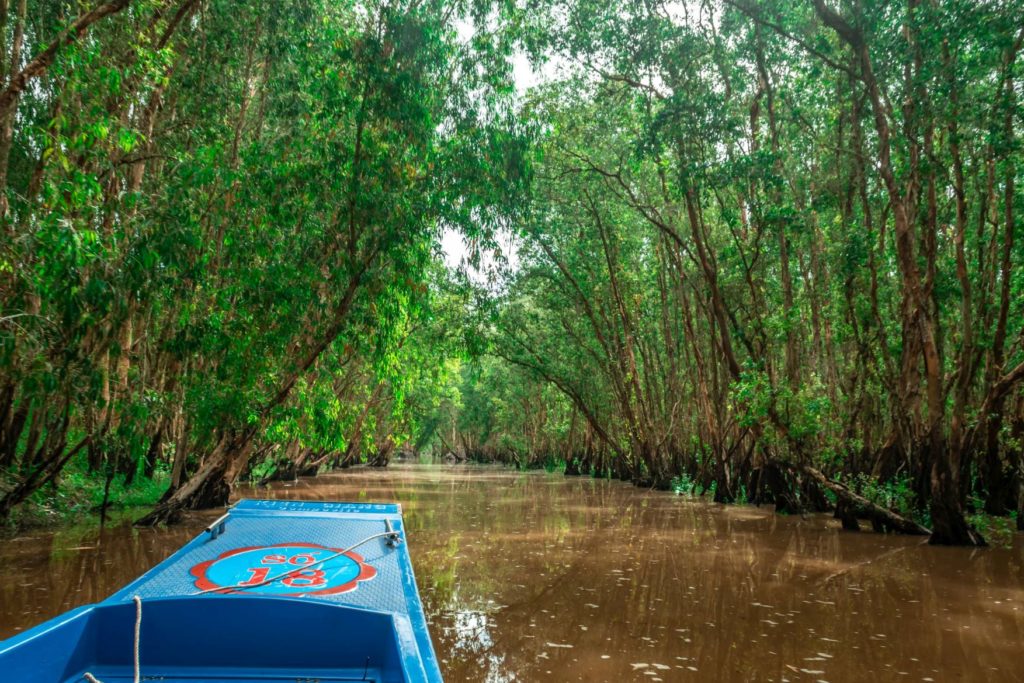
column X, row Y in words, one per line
column 7, row 118
column 210, row 486
column 949, row 527
column 920, row 326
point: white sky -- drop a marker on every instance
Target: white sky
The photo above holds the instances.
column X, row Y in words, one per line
column 454, row 248
column 456, row 257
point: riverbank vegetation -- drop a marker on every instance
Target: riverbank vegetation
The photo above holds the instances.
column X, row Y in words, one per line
column 761, row 250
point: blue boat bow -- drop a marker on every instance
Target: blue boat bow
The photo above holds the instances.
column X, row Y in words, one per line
column 274, row 591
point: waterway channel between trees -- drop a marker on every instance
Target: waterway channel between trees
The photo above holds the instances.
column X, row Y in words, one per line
column 535, row 576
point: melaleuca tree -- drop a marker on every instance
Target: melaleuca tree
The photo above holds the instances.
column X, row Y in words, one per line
column 823, row 202
column 207, row 199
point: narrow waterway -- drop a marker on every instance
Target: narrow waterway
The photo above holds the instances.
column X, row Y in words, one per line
column 538, row 577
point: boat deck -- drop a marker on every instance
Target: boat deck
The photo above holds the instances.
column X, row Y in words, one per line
column 272, row 592
column 328, row 525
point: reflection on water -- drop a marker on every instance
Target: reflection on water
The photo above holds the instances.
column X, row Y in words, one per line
column 529, row 577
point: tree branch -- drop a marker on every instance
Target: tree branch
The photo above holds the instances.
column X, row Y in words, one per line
column 38, row 66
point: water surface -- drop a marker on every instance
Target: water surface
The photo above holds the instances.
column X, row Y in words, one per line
column 538, row 577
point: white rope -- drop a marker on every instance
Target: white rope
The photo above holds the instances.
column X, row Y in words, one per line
column 288, row 573
column 138, row 632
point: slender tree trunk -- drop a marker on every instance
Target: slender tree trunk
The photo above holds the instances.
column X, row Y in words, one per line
column 919, row 326
column 7, row 116
column 210, row 486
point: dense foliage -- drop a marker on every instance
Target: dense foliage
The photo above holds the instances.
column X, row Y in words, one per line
column 771, row 251
column 220, row 220
column 765, row 248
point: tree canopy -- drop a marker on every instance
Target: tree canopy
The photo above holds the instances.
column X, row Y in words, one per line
column 764, row 249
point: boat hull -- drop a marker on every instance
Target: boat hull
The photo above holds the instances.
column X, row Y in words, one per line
column 345, row 616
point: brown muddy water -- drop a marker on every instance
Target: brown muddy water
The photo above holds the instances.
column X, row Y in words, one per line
column 538, row 577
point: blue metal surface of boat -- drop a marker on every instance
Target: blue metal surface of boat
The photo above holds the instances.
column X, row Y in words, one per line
column 273, row 591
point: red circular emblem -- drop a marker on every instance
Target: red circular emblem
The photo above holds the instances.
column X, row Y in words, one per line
column 286, row 569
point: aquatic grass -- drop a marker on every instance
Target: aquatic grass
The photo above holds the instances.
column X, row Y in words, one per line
column 683, row 485
column 78, row 495
column 998, row 531
column 895, row 494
